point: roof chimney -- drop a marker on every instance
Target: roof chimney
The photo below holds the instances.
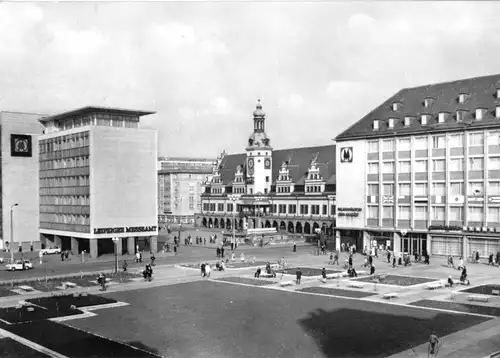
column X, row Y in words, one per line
column 375, row 124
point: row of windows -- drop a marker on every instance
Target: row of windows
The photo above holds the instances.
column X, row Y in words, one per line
column 437, row 142
column 314, row 189
column 109, row 121
column 65, row 218
column 276, row 208
column 438, row 189
column 455, row 213
column 239, row 190
column 64, row 182
column 438, row 165
column 70, row 141
column 65, row 163
column 284, row 189
column 64, row 200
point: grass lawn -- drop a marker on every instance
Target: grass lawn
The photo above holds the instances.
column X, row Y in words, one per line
column 307, row 271
column 397, row 280
column 338, row 292
column 13, row 349
column 483, row 290
column 20, row 315
column 5, row 292
column 215, row 319
column 248, row 281
column 460, row 307
column 53, row 302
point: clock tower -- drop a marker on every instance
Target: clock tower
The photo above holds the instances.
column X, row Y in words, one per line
column 259, row 156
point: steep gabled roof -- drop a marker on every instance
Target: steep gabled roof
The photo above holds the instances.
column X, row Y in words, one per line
column 298, row 160
column 480, row 91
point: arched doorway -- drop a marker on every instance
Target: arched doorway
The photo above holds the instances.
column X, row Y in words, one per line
column 290, row 227
column 210, row 223
column 204, row 222
column 275, row 224
column 240, row 225
column 222, row 223
column 282, row 225
column 216, row 223
column 315, row 226
column 298, row 228
column 307, row 228
column 268, row 224
column 228, row 224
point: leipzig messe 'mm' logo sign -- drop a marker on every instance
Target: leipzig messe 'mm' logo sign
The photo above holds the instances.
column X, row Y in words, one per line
column 346, row 155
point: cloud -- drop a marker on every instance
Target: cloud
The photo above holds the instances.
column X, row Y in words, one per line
column 75, row 43
column 172, row 34
column 220, row 106
column 361, row 22
column 214, row 46
column 294, row 101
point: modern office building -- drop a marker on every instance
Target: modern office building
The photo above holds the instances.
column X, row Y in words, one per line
column 181, row 181
column 19, row 167
column 98, row 173
column 422, row 171
column 289, row 189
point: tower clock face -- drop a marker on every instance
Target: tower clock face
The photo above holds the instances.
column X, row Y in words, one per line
column 250, row 171
column 267, row 163
column 250, row 163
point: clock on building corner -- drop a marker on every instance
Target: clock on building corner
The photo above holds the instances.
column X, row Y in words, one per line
column 267, row 163
column 250, row 163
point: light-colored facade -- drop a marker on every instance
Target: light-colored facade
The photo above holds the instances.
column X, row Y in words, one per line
column 292, row 190
column 19, row 180
column 422, row 171
column 181, row 181
column 98, row 181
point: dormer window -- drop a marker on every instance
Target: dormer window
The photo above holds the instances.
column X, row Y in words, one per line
column 391, row 122
column 462, row 97
column 442, row 117
column 480, row 113
column 376, row 124
column 497, row 112
column 428, row 101
column 461, row 115
column 396, row 106
column 424, row 119
column 498, row 93
column 407, row 121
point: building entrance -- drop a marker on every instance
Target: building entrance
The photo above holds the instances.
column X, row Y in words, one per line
column 414, row 243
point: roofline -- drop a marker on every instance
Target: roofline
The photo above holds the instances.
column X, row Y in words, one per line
column 185, row 171
column 187, row 159
column 87, row 109
column 282, row 149
column 19, row 112
column 454, row 81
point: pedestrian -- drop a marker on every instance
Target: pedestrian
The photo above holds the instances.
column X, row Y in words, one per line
column 370, row 261
column 323, row 273
column 336, row 258
column 40, row 256
column 298, row 274
column 477, row 256
column 217, row 252
column 125, row 265
column 372, row 270
column 257, row 273
column 294, row 247
column 222, row 251
column 207, row 270
column 350, row 261
column 388, row 256
column 66, row 254
column 393, row 261
column 433, row 343
column 62, row 255
column 203, row 267
column 153, row 258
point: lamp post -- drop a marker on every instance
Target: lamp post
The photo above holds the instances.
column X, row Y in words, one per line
column 233, row 198
column 115, row 240
column 12, row 232
column 179, row 242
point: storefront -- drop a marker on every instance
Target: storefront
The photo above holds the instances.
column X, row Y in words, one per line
column 447, row 245
column 351, row 237
column 484, row 245
column 379, row 239
column 414, row 242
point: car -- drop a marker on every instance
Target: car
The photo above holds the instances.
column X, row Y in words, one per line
column 18, row 265
column 50, row 250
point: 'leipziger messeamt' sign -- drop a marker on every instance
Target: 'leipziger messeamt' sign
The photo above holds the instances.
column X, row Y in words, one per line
column 353, row 212
column 120, row 230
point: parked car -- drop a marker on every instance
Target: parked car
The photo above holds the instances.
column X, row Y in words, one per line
column 18, row 265
column 51, row 250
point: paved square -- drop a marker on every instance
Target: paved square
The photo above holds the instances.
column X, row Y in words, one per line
column 307, row 271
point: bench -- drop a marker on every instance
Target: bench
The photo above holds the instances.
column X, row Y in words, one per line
column 355, row 284
column 267, row 275
column 362, row 273
column 390, row 295
column 334, row 275
column 435, row 285
column 287, row 283
column 25, row 288
column 478, row 298
column 70, row 284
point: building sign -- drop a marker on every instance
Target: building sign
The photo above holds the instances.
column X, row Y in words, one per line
column 121, row 230
column 20, row 145
column 346, row 155
column 348, row 211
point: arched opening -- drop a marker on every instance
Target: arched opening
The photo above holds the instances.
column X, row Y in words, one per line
column 216, row 223
column 298, row 228
column 254, row 223
column 222, row 223
column 307, row 228
column 282, row 225
column 228, row 224
column 210, row 223
column 290, row 227
column 240, row 225
column 268, row 224
column 275, row 224
column 315, row 226
column 204, row 222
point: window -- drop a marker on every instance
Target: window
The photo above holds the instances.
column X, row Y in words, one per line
column 438, row 165
column 388, row 212
column 494, row 137
column 476, row 139
column 373, row 146
column 438, row 142
column 372, row 168
column 456, row 213
column 420, row 212
column 476, row 188
column 421, row 189
column 438, row 212
column 404, row 189
column 372, row 212
column 388, row 168
column 304, row 209
column 494, row 163
column 267, row 179
column 456, row 165
column 494, row 215
column 230, row 207
column 439, row 189
column 220, row 207
column 404, row 144
column 325, row 210
column 389, row 189
column 475, row 213
column 388, row 145
column 457, row 188
column 404, row 166
column 420, row 166
column 404, row 213
column 373, row 189
column 476, row 163
column 420, row 143
column 494, row 188
column 456, row 140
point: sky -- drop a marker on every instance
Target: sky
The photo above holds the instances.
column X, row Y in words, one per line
column 317, row 67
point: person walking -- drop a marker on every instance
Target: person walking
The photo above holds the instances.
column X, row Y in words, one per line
column 433, row 344
column 298, row 275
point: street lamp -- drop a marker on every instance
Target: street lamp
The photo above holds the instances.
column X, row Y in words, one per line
column 233, row 198
column 12, row 232
column 115, row 240
column 179, row 242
